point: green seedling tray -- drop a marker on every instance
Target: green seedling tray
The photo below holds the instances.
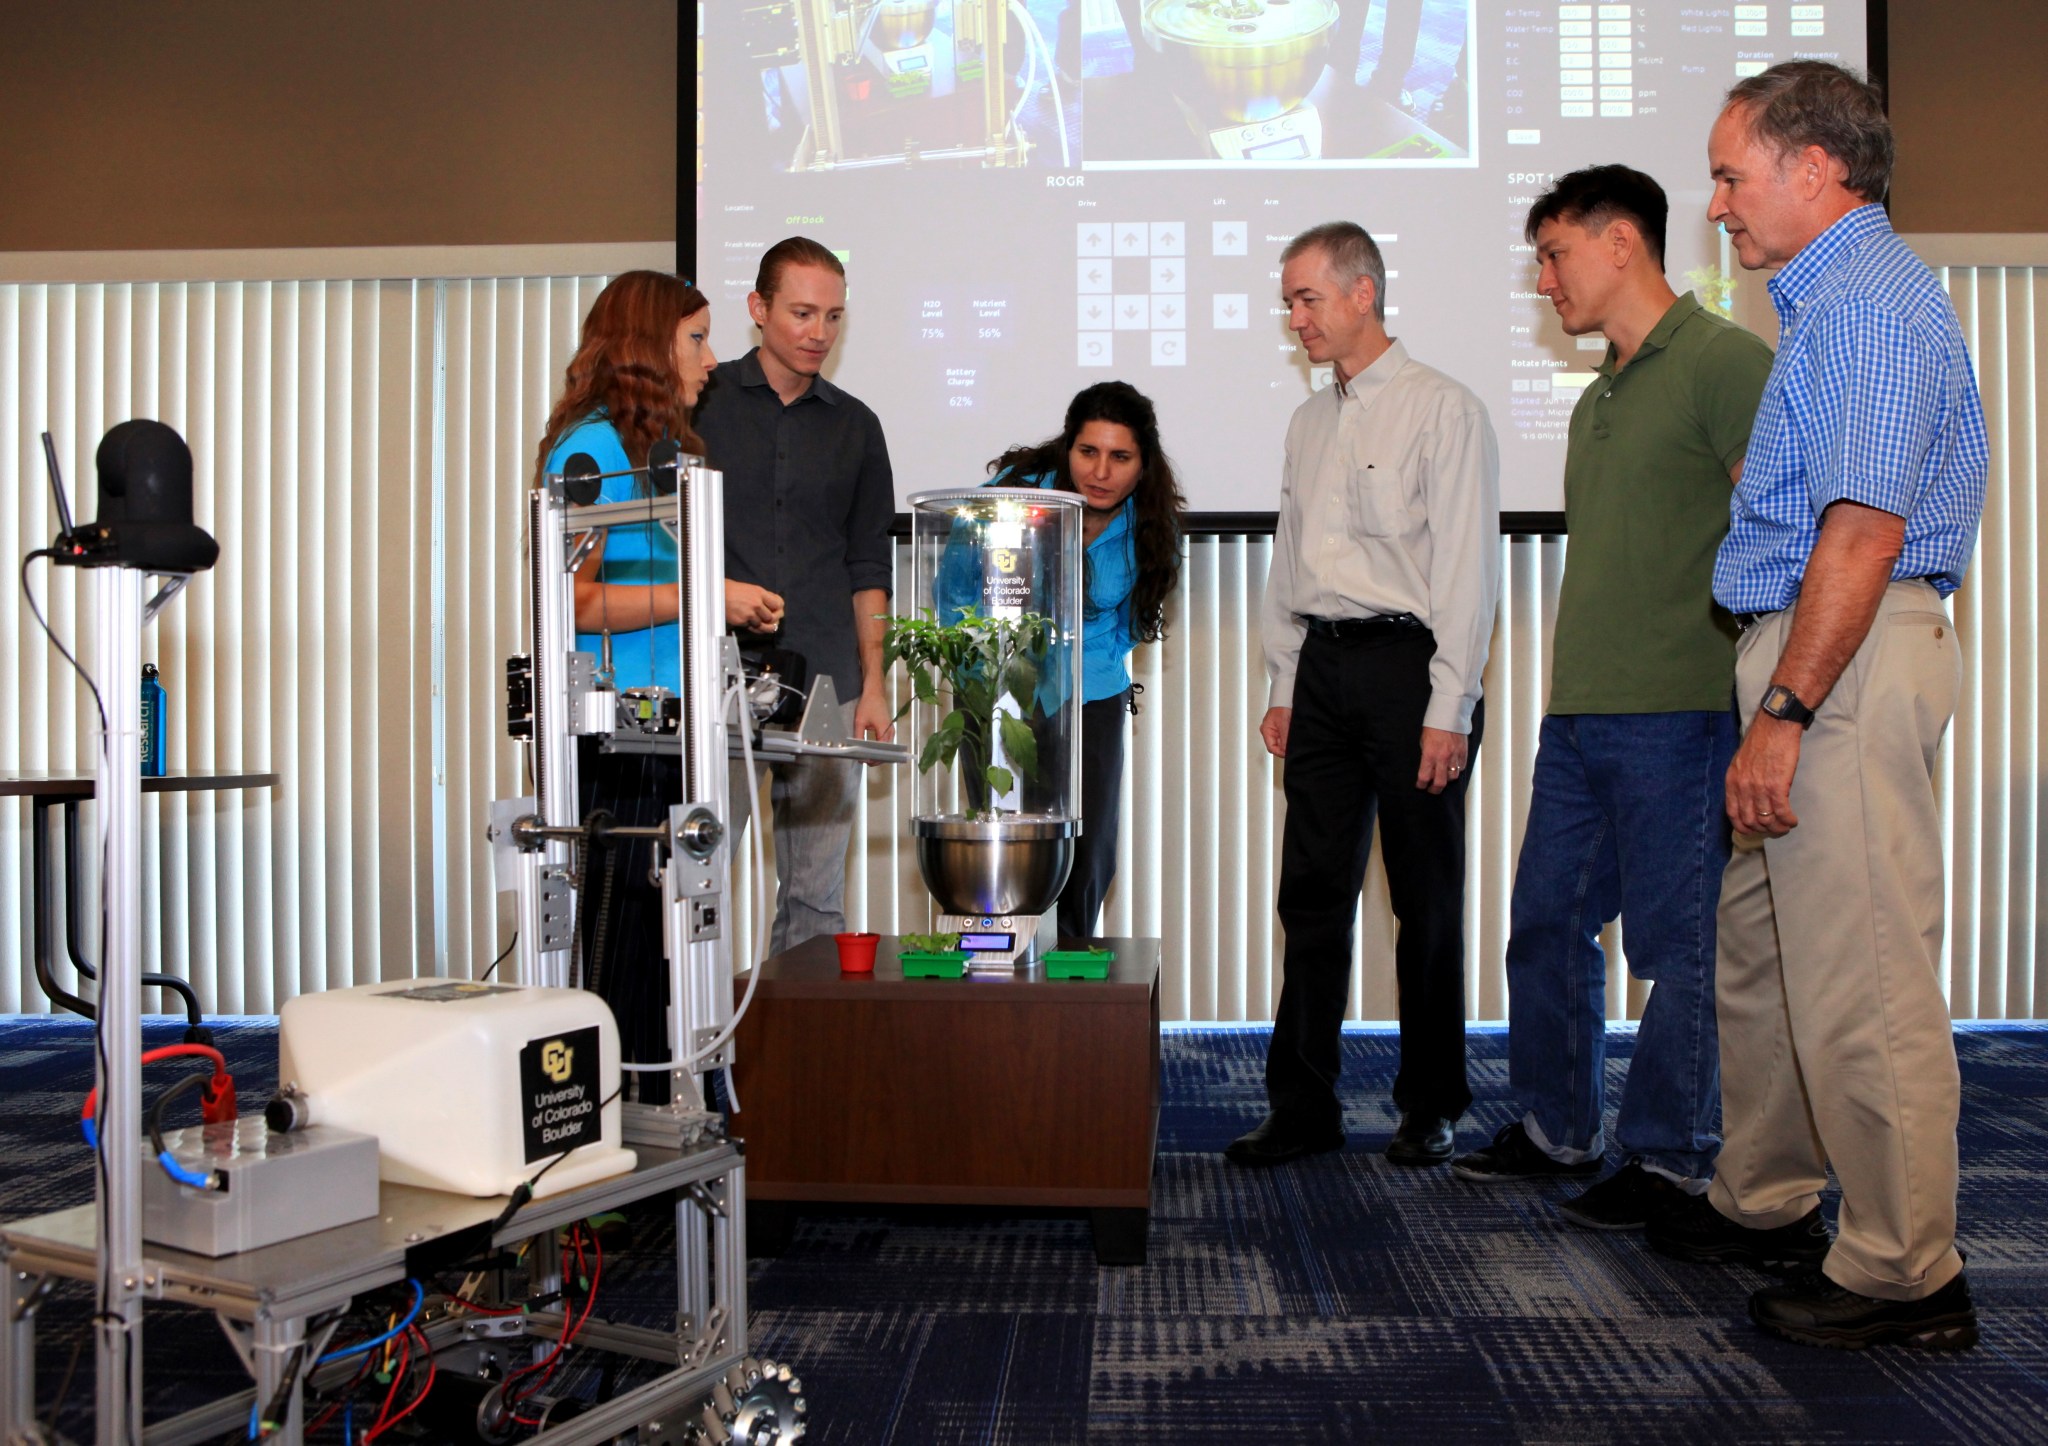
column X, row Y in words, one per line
column 918, row 965
column 1078, row 963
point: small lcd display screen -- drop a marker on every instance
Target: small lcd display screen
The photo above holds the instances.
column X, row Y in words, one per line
column 1291, row 149
column 988, row 943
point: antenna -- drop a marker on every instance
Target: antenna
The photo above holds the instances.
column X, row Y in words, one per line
column 57, row 488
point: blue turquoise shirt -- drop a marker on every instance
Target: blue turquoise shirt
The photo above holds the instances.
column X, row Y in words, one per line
column 1871, row 399
column 1106, row 640
column 635, row 554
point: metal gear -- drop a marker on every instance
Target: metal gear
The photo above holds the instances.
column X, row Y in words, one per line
column 759, row 1403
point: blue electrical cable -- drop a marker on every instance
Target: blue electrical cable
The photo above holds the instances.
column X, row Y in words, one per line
column 419, row 1299
column 197, row 1179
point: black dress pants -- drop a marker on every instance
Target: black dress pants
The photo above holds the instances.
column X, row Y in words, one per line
column 1103, row 725
column 1354, row 746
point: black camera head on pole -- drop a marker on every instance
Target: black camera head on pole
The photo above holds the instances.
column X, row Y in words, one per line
column 145, row 519
column 581, row 480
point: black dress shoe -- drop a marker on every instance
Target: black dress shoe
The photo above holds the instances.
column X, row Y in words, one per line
column 1814, row 1311
column 1692, row 1229
column 1626, row 1200
column 1422, row 1140
column 1277, row 1141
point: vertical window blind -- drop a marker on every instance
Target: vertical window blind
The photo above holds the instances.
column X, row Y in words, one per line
column 361, row 447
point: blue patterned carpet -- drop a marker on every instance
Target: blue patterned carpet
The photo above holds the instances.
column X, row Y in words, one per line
column 1338, row 1300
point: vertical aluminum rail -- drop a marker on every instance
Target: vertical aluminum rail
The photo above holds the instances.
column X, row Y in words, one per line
column 118, row 781
column 698, row 893
column 543, row 891
column 700, row 950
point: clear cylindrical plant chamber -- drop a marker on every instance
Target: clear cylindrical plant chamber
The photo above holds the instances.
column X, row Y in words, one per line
column 993, row 654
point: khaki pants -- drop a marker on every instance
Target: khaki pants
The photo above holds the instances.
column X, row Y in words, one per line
column 1836, row 1046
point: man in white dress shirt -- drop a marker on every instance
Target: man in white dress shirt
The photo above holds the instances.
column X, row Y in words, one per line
column 1378, row 611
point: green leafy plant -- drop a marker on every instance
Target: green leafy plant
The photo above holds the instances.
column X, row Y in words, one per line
column 931, row 943
column 988, row 669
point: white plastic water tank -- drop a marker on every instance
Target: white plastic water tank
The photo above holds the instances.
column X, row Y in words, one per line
column 469, row 1088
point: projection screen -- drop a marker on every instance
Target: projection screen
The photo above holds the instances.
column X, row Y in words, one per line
column 1030, row 195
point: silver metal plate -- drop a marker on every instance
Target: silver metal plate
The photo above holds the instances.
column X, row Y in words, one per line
column 557, row 914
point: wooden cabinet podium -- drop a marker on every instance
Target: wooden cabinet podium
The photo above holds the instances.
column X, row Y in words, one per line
column 1010, row 1090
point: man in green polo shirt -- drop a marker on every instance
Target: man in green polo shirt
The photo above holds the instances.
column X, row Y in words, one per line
column 1626, row 812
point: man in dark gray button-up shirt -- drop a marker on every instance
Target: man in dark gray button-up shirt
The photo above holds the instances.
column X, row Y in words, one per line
column 808, row 502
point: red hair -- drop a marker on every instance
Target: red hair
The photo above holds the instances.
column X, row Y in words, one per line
column 625, row 367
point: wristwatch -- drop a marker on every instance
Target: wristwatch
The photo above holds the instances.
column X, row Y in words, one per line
column 1781, row 702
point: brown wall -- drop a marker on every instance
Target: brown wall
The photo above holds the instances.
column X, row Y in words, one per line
column 175, row 124
column 1966, row 99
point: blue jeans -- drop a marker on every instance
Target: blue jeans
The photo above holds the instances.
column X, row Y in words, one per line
column 1625, row 817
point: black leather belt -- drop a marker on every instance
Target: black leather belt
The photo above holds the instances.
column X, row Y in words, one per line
column 1376, row 625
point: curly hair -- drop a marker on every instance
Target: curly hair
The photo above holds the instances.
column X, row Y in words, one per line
column 1161, row 509
column 625, row 367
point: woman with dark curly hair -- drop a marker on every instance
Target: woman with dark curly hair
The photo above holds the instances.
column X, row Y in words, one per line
column 1109, row 453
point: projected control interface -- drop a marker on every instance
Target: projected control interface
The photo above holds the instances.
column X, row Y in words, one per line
column 1144, row 244
column 1134, row 301
column 1611, row 62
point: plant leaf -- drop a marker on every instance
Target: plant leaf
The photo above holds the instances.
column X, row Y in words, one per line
column 1021, row 681
column 1000, row 778
column 1020, row 743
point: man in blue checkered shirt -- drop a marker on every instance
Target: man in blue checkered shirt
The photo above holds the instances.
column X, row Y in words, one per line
column 1854, row 520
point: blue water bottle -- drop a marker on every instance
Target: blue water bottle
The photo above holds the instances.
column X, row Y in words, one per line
column 152, row 723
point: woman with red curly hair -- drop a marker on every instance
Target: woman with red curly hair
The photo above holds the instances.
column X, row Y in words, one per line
column 643, row 361
column 638, row 371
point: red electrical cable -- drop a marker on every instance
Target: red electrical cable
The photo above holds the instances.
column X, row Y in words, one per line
column 391, row 1395
column 338, row 1402
column 413, row 1405
column 169, row 1051
column 553, row 1358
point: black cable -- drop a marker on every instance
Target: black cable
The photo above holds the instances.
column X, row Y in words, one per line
column 64, row 1386
column 56, row 643
column 524, row 1193
column 163, row 1103
column 500, row 959
column 275, row 1410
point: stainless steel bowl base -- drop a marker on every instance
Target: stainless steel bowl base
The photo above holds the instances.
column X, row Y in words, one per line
column 986, row 868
